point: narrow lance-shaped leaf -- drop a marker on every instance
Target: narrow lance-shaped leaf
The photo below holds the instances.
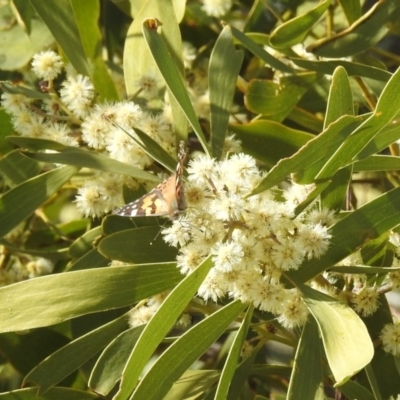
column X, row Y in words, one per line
column 87, row 15
column 110, row 365
column 295, row 30
column 386, row 109
column 59, row 393
column 340, row 102
column 225, row 63
column 20, row 202
column 159, row 326
column 15, row 168
column 176, row 360
column 307, row 380
column 362, row 34
column 232, row 360
column 352, row 68
column 59, row 17
column 258, row 51
column 99, row 290
column 135, row 68
column 306, row 163
column 172, row 77
column 270, row 141
column 69, row 358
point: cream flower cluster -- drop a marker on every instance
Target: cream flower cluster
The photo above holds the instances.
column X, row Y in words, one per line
column 72, row 117
column 253, row 240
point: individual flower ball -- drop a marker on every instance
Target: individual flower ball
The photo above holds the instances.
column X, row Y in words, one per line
column 390, row 336
column 77, row 94
column 293, row 312
column 90, row 200
column 40, row 266
column 217, row 8
column 47, row 65
column 366, row 301
column 189, row 53
column 15, row 104
column 394, row 277
column 148, row 85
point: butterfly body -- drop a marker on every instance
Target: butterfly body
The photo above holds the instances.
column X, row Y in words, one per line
column 167, row 199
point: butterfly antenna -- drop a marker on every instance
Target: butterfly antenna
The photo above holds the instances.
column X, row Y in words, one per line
column 158, row 233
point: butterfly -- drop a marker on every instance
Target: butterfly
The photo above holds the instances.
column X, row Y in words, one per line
column 167, row 199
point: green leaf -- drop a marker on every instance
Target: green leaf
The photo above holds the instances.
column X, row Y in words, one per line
column 84, row 243
column 231, row 362
column 86, row 17
column 136, row 67
column 295, row 30
column 53, row 394
column 386, row 109
column 57, row 254
column 23, row 47
column 239, row 382
column 378, row 163
column 340, row 101
column 192, row 383
column 363, row 269
column 154, row 150
column 69, row 358
column 164, row 59
column 29, row 93
column 319, row 188
column 89, row 260
column 20, row 202
column 307, row 162
column 25, row 351
column 159, row 325
column 16, row 168
column 309, row 353
column 333, row 197
column 139, row 245
column 59, row 17
column 306, row 120
column 352, row 68
column 383, row 372
column 270, row 141
column 110, row 365
column 91, row 159
column 354, row 230
column 176, row 359
column 276, row 100
column 223, row 71
column 6, row 129
column 68, row 295
column 115, row 223
column 374, row 251
column 362, row 34
column 389, row 134
column 23, row 12
column 347, row 344
column 351, row 9
column 36, row 143
column 258, row 51
column 353, row 390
